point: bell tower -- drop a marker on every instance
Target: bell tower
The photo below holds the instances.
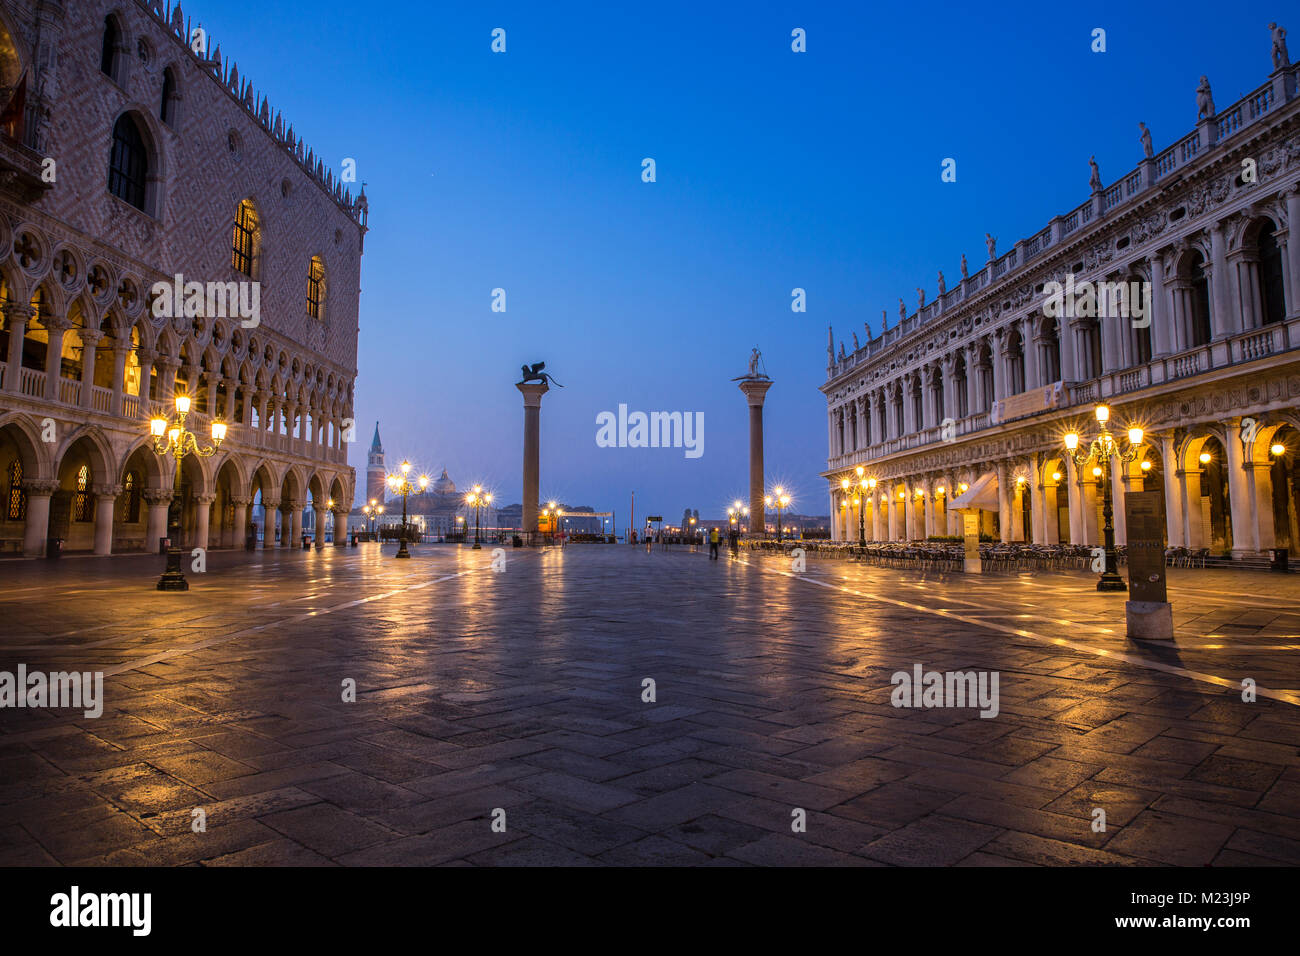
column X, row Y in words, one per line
column 375, row 470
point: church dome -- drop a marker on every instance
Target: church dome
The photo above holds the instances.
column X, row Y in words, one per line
column 443, row 485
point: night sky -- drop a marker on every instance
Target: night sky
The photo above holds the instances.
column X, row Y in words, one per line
column 775, row 170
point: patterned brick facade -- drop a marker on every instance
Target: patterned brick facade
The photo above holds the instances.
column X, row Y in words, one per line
column 78, row 262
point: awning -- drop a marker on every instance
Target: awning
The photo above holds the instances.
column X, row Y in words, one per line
column 982, row 494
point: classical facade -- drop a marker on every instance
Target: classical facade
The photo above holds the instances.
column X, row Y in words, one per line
column 132, row 154
column 964, row 403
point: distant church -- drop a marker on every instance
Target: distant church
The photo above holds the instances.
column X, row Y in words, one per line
column 434, row 511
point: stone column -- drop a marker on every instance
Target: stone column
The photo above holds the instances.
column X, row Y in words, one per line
column 1074, row 498
column 1162, row 338
column 37, row 528
column 147, row 359
column 1292, row 249
column 295, row 523
column 202, row 520
column 239, row 531
column 533, row 392
column 90, row 339
column 1118, row 489
column 17, row 317
column 1065, row 338
column 56, row 329
column 120, row 355
column 1240, row 496
column 270, row 517
column 876, row 515
column 1004, row 502
column 105, row 501
column 340, row 527
column 158, row 500
column 1222, row 323
column 1265, row 529
column 1037, row 501
column 1091, row 529
column 1173, row 493
column 755, row 390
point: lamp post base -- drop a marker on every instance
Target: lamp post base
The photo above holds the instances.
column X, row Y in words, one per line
column 401, row 551
column 173, row 578
column 1111, row 581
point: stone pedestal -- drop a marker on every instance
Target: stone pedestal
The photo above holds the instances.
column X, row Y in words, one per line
column 532, row 392
column 755, row 390
column 1149, row 620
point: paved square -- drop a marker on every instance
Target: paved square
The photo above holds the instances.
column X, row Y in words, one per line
column 522, row 691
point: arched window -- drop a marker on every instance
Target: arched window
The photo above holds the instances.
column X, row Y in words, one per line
column 1199, row 332
column 959, row 383
column 167, row 109
column 81, row 510
column 129, row 163
column 108, row 53
column 243, row 252
column 316, row 287
column 1270, row 276
column 1052, row 353
column 17, row 501
column 131, row 491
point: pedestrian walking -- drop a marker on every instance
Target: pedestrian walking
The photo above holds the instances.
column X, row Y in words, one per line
column 713, row 544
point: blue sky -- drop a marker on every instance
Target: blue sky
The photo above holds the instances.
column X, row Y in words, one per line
column 775, row 170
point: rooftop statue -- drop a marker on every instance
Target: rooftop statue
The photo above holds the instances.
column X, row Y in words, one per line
column 1204, row 100
column 1094, row 176
column 1280, row 56
column 1145, row 139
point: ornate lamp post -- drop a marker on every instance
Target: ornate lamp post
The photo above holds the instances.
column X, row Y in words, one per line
column 781, row 499
column 402, row 485
column 1103, row 448
column 172, row 437
column 479, row 499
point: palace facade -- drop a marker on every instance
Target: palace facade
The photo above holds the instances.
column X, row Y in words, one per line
column 964, row 403
column 131, row 154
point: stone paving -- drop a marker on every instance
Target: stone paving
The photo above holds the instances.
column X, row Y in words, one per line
column 523, row 691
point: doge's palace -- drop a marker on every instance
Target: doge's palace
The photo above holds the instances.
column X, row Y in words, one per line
column 137, row 162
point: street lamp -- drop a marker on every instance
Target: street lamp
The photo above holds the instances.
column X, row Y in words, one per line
column 172, row 437
column 1103, row 448
column 402, row 485
column 782, row 500
column 479, row 499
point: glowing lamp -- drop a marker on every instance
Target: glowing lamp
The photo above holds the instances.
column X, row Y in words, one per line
column 1278, row 450
column 1135, row 436
column 1205, row 458
column 1103, row 413
column 1072, row 441
column 158, row 426
column 218, row 432
column 183, row 404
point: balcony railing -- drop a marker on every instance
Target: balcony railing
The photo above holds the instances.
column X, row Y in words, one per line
column 1242, row 347
column 1130, row 188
